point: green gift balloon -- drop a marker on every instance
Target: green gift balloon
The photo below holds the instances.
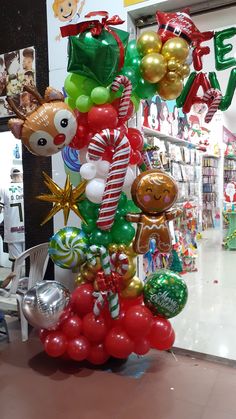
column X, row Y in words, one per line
column 97, row 57
column 165, row 293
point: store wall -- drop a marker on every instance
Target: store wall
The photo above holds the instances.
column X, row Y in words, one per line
column 23, row 24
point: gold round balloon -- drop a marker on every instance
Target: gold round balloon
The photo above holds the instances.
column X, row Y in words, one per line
column 79, row 280
column 130, row 272
column 153, row 67
column 134, row 289
column 172, row 65
column 169, row 90
column 184, row 71
column 148, row 42
column 86, row 274
column 95, row 268
column 175, row 48
column 171, row 76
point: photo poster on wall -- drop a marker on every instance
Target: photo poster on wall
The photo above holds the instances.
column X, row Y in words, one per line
column 229, row 140
column 17, row 68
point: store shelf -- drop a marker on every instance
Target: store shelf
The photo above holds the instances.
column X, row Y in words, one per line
column 164, row 137
column 230, row 158
column 210, row 156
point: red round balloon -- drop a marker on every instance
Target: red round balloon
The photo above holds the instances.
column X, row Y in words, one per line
column 98, row 354
column 94, row 328
column 119, row 321
column 160, row 331
column 78, row 348
column 126, row 303
column 55, row 344
column 141, row 346
column 164, row 345
column 138, row 321
column 82, row 300
column 72, row 327
column 43, row 334
column 135, row 157
column 135, row 139
column 101, row 117
column 65, row 315
column 81, row 117
column 118, row 343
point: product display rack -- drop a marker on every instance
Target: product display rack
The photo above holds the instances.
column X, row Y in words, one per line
column 210, row 191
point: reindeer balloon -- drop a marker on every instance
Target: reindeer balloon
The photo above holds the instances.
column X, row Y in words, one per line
column 47, row 129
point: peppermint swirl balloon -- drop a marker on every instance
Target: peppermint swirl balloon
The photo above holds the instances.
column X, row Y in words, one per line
column 70, row 157
column 165, row 293
column 67, row 248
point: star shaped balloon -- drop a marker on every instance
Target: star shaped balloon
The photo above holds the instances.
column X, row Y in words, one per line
column 65, row 199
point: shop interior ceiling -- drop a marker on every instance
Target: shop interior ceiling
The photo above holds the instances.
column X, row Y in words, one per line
column 145, row 16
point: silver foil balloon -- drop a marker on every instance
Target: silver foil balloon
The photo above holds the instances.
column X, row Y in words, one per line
column 44, row 304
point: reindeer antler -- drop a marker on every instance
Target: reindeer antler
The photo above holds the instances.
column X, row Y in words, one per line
column 13, row 106
column 34, row 92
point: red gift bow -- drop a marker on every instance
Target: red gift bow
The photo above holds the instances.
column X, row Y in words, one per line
column 96, row 27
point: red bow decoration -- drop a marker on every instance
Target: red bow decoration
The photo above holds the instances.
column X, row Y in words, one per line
column 109, row 283
column 96, row 27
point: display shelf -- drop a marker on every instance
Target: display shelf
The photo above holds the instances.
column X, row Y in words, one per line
column 164, row 137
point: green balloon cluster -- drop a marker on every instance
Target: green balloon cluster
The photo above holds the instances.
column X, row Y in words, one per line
column 122, row 231
column 84, row 92
column 165, row 293
column 141, row 88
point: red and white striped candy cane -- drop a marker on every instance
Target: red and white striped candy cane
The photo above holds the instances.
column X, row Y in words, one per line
column 119, row 263
column 213, row 98
column 125, row 97
column 117, row 171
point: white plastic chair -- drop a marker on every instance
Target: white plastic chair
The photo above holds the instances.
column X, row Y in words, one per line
column 11, row 300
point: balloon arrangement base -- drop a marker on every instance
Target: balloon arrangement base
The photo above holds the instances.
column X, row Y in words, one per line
column 82, row 336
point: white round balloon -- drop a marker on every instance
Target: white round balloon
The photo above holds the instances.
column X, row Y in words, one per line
column 95, row 189
column 88, row 171
column 103, row 168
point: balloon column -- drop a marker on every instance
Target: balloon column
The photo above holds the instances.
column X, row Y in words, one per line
column 110, row 312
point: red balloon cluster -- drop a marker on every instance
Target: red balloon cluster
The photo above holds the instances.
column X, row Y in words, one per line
column 82, row 336
column 98, row 118
column 136, row 143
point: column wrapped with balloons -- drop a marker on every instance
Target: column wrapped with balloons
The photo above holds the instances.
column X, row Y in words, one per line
column 110, row 313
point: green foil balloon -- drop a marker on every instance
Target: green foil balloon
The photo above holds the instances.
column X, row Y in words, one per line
column 165, row 293
column 231, row 86
column 180, row 101
column 222, row 49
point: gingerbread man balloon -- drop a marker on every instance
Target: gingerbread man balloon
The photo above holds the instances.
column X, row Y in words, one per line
column 154, row 192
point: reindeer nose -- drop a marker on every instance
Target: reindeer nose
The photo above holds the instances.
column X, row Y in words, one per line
column 59, row 139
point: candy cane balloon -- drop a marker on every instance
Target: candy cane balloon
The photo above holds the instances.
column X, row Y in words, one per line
column 212, row 97
column 116, row 175
column 119, row 263
column 126, row 94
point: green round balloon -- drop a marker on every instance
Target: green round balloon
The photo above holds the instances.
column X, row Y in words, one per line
column 70, row 102
column 100, row 237
column 88, row 209
column 89, row 227
column 165, row 293
column 145, row 90
column 136, row 102
column 131, row 50
column 100, row 95
column 74, row 85
column 122, row 232
column 131, row 74
column 89, row 85
column 84, row 103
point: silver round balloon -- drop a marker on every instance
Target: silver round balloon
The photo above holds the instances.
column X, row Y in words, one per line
column 44, row 304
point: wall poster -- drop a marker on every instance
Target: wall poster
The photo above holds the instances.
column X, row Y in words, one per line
column 17, row 68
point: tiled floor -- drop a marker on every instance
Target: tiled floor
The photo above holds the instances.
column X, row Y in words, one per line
column 157, row 386
column 208, row 322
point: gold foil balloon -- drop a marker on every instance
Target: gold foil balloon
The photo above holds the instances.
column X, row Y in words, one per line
column 169, row 90
column 175, row 48
column 153, row 67
column 148, row 42
column 184, row 71
column 134, row 289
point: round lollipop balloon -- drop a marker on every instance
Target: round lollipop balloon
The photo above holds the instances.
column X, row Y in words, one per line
column 165, row 293
column 44, row 304
column 67, row 248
